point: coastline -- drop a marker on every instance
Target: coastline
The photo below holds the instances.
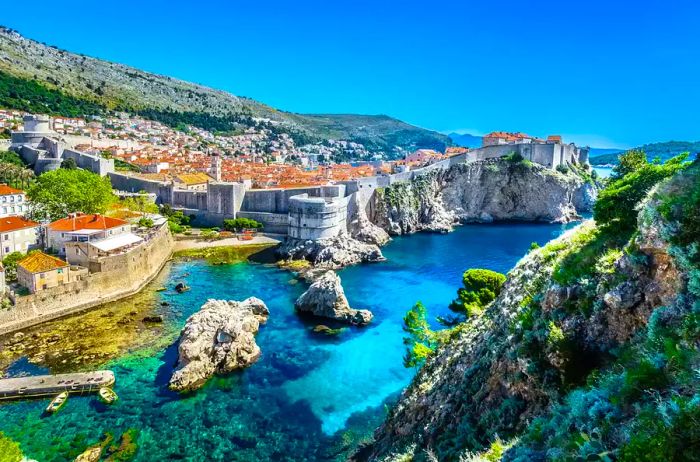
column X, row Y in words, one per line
column 193, row 243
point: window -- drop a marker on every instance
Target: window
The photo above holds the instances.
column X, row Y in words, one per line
column 7, row 250
column 6, row 237
column 42, row 276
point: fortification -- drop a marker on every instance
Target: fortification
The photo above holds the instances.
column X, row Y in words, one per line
column 116, row 277
column 312, row 218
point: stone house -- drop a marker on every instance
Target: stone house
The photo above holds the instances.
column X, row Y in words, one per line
column 39, row 271
column 18, row 234
column 80, row 227
column 12, row 201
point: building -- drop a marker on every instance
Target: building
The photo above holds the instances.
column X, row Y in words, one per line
column 18, row 234
column 192, row 181
column 39, row 271
column 495, row 138
column 12, row 201
column 79, row 227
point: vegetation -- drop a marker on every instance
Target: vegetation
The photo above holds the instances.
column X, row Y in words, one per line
column 9, row 450
column 177, row 221
column 13, row 171
column 10, row 264
column 69, row 163
column 662, row 151
column 480, row 287
column 420, row 341
column 57, row 193
column 239, row 224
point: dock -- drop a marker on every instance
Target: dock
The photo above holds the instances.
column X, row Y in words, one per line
column 51, row 385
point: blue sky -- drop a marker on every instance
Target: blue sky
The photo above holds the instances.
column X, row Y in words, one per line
column 607, row 73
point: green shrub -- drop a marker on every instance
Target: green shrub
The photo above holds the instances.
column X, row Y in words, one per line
column 561, row 168
column 239, row 224
column 480, row 287
column 9, row 450
column 145, row 222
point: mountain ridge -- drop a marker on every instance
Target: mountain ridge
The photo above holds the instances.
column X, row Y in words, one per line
column 116, row 86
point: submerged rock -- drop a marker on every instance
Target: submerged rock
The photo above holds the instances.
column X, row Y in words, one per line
column 219, row 338
column 326, row 298
column 92, row 454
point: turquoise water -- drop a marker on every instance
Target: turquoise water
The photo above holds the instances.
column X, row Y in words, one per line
column 603, row 172
column 309, row 397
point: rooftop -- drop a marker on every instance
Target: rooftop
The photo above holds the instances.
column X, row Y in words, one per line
column 80, row 221
column 5, row 190
column 15, row 224
column 39, row 262
column 193, row 178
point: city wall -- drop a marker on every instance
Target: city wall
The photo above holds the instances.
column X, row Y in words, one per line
column 121, row 276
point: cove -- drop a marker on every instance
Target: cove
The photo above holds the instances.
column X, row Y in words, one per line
column 309, row 397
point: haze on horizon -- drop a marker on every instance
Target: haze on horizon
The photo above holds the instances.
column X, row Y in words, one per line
column 608, row 74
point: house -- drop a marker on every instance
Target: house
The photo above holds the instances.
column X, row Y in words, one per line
column 192, row 181
column 39, row 271
column 80, row 227
column 18, row 234
column 12, row 201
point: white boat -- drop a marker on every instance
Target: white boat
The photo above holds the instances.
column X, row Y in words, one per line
column 57, row 403
column 107, row 395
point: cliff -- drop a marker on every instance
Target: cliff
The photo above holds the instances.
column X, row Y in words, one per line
column 588, row 353
column 484, row 191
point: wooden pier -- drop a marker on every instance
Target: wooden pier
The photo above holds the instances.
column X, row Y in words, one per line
column 50, row 385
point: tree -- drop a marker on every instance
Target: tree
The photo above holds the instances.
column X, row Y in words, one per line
column 420, row 342
column 69, row 163
column 9, row 450
column 10, row 264
column 616, row 207
column 480, row 287
column 60, row 192
column 630, row 161
column 241, row 223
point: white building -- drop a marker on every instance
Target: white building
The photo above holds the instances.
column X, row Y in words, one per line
column 17, row 235
column 13, row 202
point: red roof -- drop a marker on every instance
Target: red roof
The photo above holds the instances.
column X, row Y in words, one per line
column 80, row 221
column 5, row 190
column 16, row 223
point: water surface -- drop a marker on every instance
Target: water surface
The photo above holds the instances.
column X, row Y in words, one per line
column 309, row 397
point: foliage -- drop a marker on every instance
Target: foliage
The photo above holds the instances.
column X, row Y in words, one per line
column 145, row 222
column 616, row 207
column 663, row 151
column 480, row 287
column 561, row 168
column 10, row 264
column 141, row 203
column 13, row 171
column 9, row 450
column 69, row 163
column 30, row 96
column 420, row 341
column 177, row 220
column 239, row 224
column 60, row 192
column 11, row 157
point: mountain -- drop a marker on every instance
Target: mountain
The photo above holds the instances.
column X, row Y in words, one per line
column 597, row 152
column 663, row 151
column 465, row 140
column 37, row 76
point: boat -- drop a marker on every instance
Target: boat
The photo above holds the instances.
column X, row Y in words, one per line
column 107, row 395
column 57, row 403
column 161, row 289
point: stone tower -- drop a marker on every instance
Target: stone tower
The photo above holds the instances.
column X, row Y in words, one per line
column 216, row 169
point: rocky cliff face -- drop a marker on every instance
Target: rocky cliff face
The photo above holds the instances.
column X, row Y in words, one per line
column 219, row 338
column 586, row 344
column 496, row 189
column 335, row 253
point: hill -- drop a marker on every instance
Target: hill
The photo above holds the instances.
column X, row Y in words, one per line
column 663, row 151
column 41, row 78
column 465, row 140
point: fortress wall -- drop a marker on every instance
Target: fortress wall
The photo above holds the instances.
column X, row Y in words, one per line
column 276, row 223
column 123, row 275
column 128, row 183
column 312, row 218
column 30, row 155
column 53, row 147
column 189, row 199
column 89, row 162
column 277, row 200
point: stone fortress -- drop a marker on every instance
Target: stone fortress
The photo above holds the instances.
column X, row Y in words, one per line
column 309, row 213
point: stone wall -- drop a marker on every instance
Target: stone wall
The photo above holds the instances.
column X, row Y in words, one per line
column 121, row 276
column 312, row 218
column 89, row 162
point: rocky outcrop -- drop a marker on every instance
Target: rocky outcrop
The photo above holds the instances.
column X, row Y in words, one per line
column 483, row 191
column 218, row 339
column 326, row 298
column 361, row 228
column 334, row 253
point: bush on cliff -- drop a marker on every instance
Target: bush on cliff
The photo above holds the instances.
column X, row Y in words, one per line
column 57, row 193
column 480, row 287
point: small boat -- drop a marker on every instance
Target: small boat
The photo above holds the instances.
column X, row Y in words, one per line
column 181, row 287
column 107, row 395
column 57, row 403
column 161, row 289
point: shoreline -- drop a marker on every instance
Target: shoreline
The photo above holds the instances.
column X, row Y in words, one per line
column 193, row 243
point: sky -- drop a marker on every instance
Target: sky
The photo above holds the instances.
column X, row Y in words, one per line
column 604, row 73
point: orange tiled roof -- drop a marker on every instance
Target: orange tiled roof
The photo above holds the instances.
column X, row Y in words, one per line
column 82, row 221
column 4, row 190
column 16, row 223
column 39, row 262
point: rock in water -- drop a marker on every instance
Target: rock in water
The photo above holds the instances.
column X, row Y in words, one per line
column 92, row 454
column 333, row 253
column 326, row 298
column 218, row 339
